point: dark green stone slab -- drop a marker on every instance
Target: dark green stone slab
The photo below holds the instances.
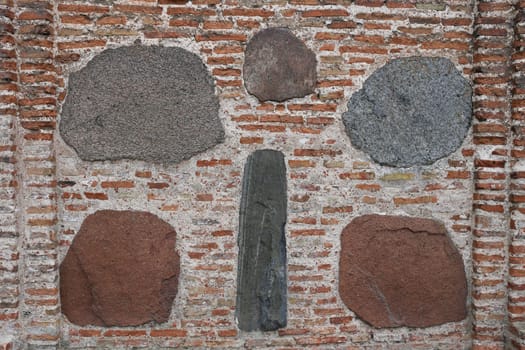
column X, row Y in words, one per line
column 261, row 275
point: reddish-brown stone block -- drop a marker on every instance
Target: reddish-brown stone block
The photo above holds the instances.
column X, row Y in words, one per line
column 401, row 271
column 121, row 270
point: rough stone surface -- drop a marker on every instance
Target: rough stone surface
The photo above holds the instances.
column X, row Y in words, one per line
column 278, row 66
column 400, row 271
column 261, row 283
column 121, row 270
column 412, row 111
column 148, row 103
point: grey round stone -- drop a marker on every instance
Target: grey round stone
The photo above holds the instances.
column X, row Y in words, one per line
column 412, row 111
column 141, row 102
column 278, row 66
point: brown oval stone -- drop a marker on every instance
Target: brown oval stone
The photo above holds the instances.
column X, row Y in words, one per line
column 401, row 271
column 121, row 270
column 278, row 66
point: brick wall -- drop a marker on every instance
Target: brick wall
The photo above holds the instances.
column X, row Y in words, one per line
column 493, row 29
column 46, row 190
column 517, row 243
column 9, row 236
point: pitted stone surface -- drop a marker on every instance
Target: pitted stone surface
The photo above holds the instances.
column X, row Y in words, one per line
column 121, row 270
column 400, row 271
column 261, row 282
column 412, row 111
column 141, row 102
column 278, row 66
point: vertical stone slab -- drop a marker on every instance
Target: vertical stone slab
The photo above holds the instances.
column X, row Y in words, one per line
column 261, row 274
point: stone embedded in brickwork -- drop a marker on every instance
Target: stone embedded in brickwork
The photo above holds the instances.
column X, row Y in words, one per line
column 148, row 103
column 121, row 270
column 278, row 66
column 261, row 277
column 412, row 111
column 400, row 271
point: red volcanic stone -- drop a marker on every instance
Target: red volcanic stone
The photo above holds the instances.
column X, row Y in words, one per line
column 400, row 271
column 121, row 270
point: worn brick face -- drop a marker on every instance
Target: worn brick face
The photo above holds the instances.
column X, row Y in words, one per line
column 477, row 192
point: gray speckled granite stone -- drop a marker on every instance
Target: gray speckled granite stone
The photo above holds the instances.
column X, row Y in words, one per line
column 278, row 66
column 141, row 102
column 412, row 111
column 261, row 277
